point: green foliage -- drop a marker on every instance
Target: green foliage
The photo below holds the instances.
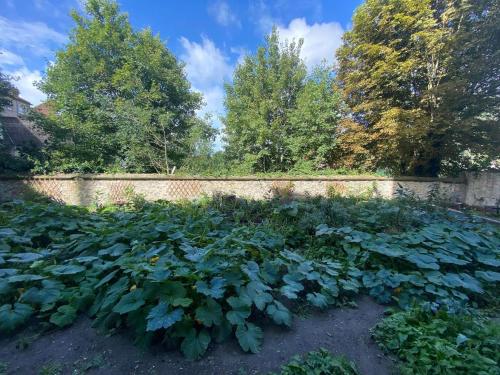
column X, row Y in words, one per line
column 12, row 316
column 177, row 271
column 5, row 90
column 119, row 99
column 441, row 343
column 319, row 363
column 194, row 273
column 418, row 77
column 313, row 129
column 277, row 115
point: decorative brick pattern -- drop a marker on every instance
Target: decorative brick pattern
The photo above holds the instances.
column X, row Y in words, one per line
column 477, row 190
column 119, row 192
column 51, row 188
column 184, row 189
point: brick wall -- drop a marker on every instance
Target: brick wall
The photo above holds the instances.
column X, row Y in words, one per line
column 474, row 190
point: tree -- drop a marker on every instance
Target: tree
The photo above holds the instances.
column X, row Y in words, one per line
column 5, row 90
column 470, row 94
column 396, row 72
column 120, row 98
column 259, row 102
column 314, row 120
column 278, row 115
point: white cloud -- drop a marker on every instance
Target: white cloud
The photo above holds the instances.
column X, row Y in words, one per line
column 24, row 80
column 9, row 58
column 262, row 17
column 34, row 37
column 242, row 52
column 321, row 40
column 207, row 69
column 223, row 14
column 214, row 101
column 21, row 77
column 206, row 65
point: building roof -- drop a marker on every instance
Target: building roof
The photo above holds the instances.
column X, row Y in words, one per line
column 19, row 99
column 14, row 94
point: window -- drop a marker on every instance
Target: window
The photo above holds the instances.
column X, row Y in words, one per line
column 21, row 109
column 9, row 106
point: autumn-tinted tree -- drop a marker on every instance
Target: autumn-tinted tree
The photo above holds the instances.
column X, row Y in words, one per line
column 402, row 68
column 120, row 98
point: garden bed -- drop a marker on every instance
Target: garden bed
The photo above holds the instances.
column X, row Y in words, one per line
column 341, row 331
column 199, row 276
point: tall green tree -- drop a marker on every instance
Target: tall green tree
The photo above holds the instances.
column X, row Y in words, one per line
column 119, row 98
column 401, row 68
column 278, row 115
column 314, row 120
column 258, row 104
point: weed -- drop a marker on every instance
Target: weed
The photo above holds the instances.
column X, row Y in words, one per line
column 52, row 368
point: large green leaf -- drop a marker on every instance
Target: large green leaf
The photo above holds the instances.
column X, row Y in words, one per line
column 240, row 310
column 64, row 316
column 12, row 316
column 130, row 302
column 423, row 261
column 25, row 257
column 210, row 313
column 249, row 337
column 215, row 289
column 317, row 299
column 195, row 344
column 279, row 313
column 160, row 317
column 41, row 296
column 66, row 269
column 114, row 250
column 489, row 276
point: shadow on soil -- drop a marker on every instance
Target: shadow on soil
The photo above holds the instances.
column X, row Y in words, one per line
column 81, row 350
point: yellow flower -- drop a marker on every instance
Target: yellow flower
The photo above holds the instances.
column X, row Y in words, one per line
column 133, row 287
column 154, row 259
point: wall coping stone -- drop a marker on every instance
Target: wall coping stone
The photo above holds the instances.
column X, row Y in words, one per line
column 144, row 176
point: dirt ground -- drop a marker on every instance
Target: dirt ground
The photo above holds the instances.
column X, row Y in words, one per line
column 79, row 349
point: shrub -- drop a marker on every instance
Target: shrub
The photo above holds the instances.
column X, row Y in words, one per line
column 439, row 343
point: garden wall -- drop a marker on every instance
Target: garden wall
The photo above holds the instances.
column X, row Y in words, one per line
column 482, row 190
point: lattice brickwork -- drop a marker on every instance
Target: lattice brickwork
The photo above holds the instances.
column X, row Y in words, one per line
column 119, row 192
column 51, row 188
column 181, row 189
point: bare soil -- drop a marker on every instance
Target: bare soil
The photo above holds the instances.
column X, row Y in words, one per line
column 80, row 349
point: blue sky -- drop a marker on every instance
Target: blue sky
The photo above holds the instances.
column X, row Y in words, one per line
column 210, row 36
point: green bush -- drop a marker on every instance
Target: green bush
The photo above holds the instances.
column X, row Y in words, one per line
column 439, row 343
column 319, row 363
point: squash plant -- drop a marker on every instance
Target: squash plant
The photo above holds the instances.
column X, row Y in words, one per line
column 189, row 274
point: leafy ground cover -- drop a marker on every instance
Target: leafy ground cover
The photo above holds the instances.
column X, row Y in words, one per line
column 189, row 274
column 441, row 343
column 318, row 363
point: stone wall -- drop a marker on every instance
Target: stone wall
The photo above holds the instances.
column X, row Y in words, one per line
column 475, row 190
column 483, row 189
